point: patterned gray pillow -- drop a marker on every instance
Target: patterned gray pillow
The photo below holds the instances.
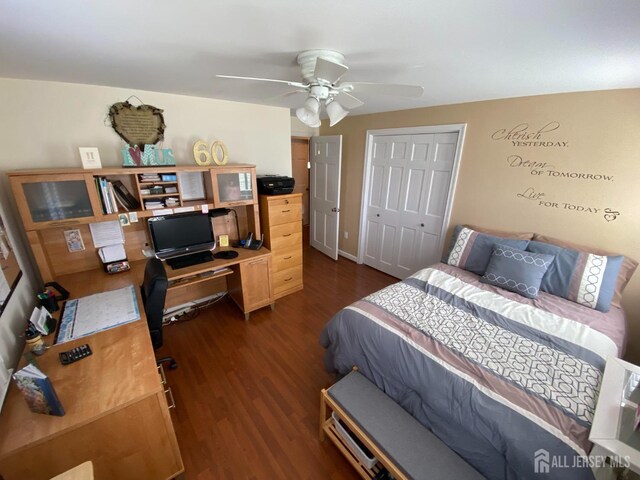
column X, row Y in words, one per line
column 517, row 270
column 471, row 250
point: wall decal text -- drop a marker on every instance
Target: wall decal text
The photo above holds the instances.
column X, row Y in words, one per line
column 548, row 170
column 539, row 199
column 522, row 135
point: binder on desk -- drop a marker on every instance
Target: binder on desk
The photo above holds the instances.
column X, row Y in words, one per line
column 101, row 311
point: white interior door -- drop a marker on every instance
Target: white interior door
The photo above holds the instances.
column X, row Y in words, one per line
column 407, row 202
column 326, row 157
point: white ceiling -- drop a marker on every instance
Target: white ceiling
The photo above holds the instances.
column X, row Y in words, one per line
column 458, row 50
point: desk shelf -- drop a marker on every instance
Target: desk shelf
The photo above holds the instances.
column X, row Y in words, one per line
column 185, row 281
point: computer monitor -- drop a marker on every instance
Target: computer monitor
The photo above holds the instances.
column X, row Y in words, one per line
column 180, row 234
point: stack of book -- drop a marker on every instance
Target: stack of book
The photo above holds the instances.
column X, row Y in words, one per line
column 152, row 204
column 124, row 197
column 107, row 195
column 113, row 195
column 149, row 177
column 172, row 202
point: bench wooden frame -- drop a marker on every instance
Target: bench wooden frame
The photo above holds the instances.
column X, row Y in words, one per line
column 328, row 428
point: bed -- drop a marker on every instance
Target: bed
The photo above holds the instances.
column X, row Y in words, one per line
column 500, row 378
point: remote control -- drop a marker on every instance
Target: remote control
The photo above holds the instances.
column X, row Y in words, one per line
column 75, row 354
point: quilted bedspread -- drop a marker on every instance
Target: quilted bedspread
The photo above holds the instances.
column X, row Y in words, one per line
column 495, row 376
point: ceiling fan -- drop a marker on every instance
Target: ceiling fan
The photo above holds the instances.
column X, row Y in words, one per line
column 322, row 71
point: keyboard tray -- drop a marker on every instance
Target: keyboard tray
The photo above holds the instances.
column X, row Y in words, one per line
column 189, row 260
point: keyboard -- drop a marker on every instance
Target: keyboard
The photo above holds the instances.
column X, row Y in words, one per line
column 189, row 260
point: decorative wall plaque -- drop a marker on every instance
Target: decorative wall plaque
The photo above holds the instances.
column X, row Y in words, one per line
column 141, row 125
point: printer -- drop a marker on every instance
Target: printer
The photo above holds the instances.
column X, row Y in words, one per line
column 275, row 184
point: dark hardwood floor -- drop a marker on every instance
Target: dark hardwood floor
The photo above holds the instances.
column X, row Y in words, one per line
column 248, row 393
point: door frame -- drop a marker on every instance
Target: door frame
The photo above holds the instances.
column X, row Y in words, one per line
column 458, row 128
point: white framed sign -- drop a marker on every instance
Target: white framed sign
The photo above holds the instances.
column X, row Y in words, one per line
column 90, row 157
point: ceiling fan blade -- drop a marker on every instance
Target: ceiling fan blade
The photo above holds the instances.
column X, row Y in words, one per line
column 292, row 99
column 348, row 101
column 329, row 71
column 414, row 91
column 292, row 84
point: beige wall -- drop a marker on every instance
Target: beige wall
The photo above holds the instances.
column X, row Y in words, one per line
column 590, row 133
column 44, row 123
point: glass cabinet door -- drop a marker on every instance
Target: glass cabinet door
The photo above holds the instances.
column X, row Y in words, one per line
column 50, row 201
column 234, row 187
column 44, row 201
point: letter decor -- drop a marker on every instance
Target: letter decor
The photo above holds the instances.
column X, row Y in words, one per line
column 141, row 125
column 149, row 157
column 202, row 156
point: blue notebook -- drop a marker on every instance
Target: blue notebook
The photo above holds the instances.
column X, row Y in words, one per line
column 38, row 391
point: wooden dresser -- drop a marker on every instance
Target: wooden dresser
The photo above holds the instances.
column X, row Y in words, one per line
column 281, row 220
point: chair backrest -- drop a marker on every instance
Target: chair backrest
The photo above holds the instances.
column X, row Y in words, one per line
column 154, row 292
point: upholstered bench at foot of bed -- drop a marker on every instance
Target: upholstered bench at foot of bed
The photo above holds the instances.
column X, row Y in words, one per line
column 400, row 443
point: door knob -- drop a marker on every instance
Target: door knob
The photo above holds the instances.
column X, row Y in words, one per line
column 334, row 209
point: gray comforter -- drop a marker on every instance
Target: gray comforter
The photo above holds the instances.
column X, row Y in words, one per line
column 501, row 379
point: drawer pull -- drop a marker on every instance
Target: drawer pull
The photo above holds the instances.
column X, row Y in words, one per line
column 162, row 375
column 173, row 402
column 65, row 222
column 286, row 235
column 286, row 211
column 288, row 258
column 287, row 279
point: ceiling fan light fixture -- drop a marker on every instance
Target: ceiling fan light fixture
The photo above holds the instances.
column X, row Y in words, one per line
column 307, row 117
column 312, row 105
column 335, row 112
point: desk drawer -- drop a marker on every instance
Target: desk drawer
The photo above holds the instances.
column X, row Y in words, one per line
column 287, row 279
column 286, row 244
column 281, row 212
column 285, row 230
column 285, row 260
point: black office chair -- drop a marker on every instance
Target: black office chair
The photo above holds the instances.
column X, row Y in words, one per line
column 154, row 292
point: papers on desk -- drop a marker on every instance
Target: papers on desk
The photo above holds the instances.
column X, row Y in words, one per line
column 112, row 253
column 5, row 289
column 5, row 376
column 106, row 233
column 101, row 311
column 109, row 240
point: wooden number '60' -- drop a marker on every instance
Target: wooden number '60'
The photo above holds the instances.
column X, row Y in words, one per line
column 202, row 156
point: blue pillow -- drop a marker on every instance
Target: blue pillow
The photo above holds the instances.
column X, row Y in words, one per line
column 581, row 277
column 471, row 250
column 517, row 270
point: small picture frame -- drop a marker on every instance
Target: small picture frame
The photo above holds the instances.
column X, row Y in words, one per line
column 74, row 240
column 224, row 240
column 90, row 157
column 124, row 219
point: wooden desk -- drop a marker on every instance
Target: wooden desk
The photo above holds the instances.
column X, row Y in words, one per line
column 246, row 277
column 116, row 411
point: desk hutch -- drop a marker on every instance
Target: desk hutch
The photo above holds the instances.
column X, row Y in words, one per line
column 53, row 201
